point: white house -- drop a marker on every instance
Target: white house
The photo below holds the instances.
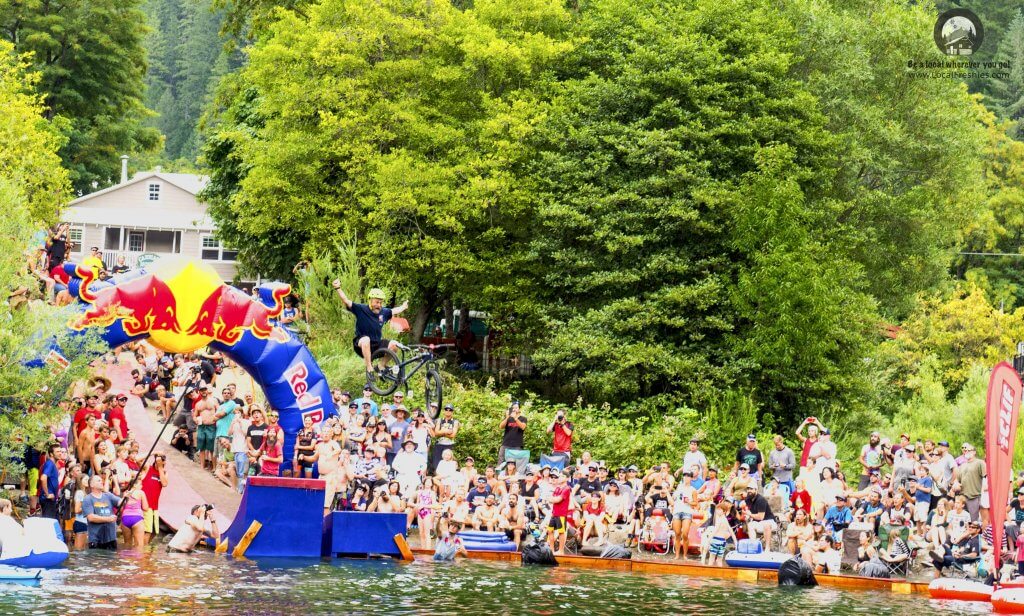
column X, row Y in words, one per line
column 150, row 215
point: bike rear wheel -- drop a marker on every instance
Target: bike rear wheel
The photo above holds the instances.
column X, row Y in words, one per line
column 434, row 393
column 391, row 376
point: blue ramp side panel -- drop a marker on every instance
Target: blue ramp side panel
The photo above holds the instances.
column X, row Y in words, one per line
column 291, row 512
column 359, row 533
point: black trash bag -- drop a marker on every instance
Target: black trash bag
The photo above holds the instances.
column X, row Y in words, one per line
column 874, row 569
column 538, row 554
column 616, row 551
column 796, row 572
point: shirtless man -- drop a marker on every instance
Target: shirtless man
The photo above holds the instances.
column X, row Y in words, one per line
column 486, row 516
column 85, row 444
column 204, row 413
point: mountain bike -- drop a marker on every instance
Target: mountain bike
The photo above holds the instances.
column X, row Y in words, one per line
column 392, row 372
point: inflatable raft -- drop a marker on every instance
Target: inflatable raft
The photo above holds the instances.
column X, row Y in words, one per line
column 42, row 545
column 19, row 574
column 764, row 560
column 479, row 541
column 961, row 590
column 1008, row 600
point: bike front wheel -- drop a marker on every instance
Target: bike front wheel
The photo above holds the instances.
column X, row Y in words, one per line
column 388, row 372
column 434, row 393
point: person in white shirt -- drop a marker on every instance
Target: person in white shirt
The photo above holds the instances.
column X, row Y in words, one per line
column 682, row 514
column 694, row 457
column 409, row 467
column 823, row 453
column 195, row 527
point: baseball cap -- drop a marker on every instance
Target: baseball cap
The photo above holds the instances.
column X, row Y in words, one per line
column 1021, row 490
column 632, row 467
column 943, row 443
column 367, row 389
column 751, row 437
column 826, row 432
column 353, row 405
column 745, row 467
column 448, row 407
column 695, row 440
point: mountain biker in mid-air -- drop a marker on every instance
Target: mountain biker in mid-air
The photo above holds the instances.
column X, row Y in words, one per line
column 370, row 320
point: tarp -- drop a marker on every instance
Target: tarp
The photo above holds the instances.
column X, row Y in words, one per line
column 1001, row 413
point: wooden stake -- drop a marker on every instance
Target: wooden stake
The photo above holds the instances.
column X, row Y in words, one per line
column 403, row 547
column 243, row 543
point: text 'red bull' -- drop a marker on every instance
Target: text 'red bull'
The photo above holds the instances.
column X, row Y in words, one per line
column 228, row 313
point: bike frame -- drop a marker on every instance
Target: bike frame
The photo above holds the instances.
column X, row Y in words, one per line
column 424, row 358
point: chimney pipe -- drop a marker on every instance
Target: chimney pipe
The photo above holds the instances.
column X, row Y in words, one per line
column 124, row 168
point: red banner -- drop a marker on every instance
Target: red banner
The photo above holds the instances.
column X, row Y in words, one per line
column 1001, row 413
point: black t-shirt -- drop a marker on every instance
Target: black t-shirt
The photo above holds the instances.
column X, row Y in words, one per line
column 255, row 434
column 750, row 458
column 181, row 442
column 367, row 323
column 207, row 369
column 659, row 501
column 119, row 269
column 759, row 504
column 513, row 434
column 58, row 249
column 529, row 491
column 587, row 486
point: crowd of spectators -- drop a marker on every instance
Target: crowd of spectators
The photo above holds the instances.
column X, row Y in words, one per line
column 904, row 502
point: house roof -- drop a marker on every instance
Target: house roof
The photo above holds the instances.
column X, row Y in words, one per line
column 115, row 217
column 155, row 219
column 188, row 182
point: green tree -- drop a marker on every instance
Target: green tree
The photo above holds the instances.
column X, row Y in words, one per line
column 186, row 57
column 91, row 62
column 402, row 122
column 998, row 228
column 32, row 187
column 958, row 332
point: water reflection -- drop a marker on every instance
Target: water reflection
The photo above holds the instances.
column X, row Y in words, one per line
column 157, row 582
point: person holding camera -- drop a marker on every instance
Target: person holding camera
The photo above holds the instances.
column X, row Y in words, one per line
column 514, row 426
column 561, row 429
column 154, row 480
column 197, row 526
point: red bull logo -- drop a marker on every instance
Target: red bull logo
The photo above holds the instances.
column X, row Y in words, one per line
column 143, row 305
column 228, row 313
column 181, row 305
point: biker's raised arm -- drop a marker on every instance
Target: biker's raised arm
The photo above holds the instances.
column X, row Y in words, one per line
column 341, row 294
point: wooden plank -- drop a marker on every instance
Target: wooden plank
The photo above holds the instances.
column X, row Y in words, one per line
column 403, row 547
column 593, row 562
column 222, row 547
column 902, row 588
column 243, row 543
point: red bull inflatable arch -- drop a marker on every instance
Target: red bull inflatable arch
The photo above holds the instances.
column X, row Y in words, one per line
column 181, row 306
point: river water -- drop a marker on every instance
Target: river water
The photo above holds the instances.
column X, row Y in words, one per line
column 155, row 582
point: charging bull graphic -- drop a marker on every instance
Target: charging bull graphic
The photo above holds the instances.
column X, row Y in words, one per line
column 181, row 306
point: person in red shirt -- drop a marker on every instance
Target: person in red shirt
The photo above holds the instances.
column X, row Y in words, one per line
column 560, row 501
column 813, row 427
column 154, row 480
column 115, row 417
column 90, row 409
column 801, row 498
column 562, row 430
column 272, row 453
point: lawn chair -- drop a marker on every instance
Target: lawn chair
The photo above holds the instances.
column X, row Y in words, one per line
column 901, row 566
column 656, row 536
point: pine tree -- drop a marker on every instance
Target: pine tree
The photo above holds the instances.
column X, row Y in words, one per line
column 1008, row 93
